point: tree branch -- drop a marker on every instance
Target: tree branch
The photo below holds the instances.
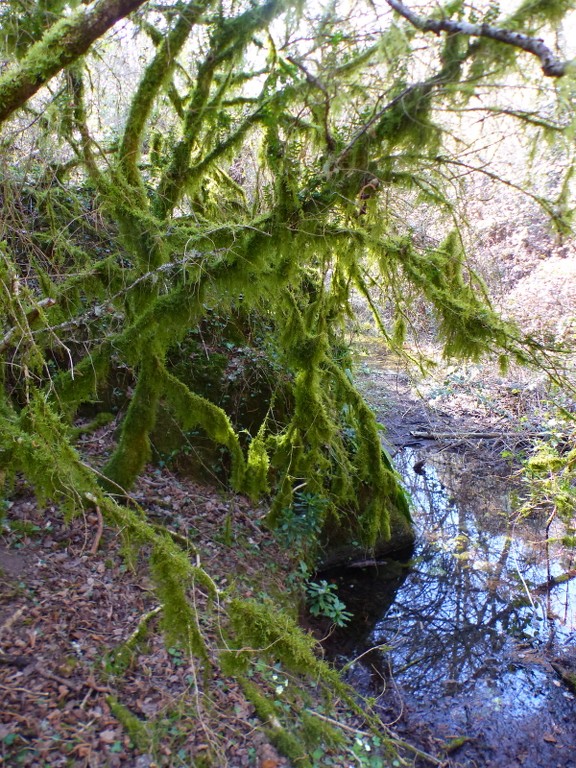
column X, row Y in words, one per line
column 32, row 315
column 62, row 44
column 157, row 73
column 229, row 40
column 551, row 65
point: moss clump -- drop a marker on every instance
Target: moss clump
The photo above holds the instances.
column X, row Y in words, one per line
column 134, row 727
column 287, row 743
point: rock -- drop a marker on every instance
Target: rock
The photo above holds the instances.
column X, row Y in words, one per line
column 400, row 543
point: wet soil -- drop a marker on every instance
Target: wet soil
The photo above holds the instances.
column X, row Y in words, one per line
column 469, row 645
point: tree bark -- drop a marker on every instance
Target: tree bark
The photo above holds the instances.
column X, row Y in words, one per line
column 551, row 65
column 62, row 44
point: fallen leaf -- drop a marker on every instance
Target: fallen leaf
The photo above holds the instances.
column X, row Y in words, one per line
column 83, row 750
column 549, row 738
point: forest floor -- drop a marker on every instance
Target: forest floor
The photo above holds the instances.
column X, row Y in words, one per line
column 66, row 609
column 68, row 599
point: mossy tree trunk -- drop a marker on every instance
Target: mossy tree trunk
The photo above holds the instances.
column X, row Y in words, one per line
column 194, row 226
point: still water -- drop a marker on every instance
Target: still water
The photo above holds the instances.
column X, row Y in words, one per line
column 462, row 639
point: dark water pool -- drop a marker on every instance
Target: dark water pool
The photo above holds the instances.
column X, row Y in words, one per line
column 467, row 638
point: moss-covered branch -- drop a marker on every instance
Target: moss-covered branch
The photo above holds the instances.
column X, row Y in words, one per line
column 228, row 42
column 62, row 44
column 157, row 74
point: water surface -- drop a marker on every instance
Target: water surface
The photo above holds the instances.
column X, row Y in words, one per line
column 463, row 635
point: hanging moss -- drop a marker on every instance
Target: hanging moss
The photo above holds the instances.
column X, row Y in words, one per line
column 192, row 410
column 38, row 445
column 262, row 625
column 156, row 74
column 256, row 481
column 163, row 323
column 133, row 449
column 173, row 573
column 468, row 325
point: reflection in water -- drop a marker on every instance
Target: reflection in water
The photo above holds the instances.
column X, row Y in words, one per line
column 472, row 588
column 468, row 630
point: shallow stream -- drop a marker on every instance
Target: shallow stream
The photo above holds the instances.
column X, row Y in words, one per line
column 463, row 643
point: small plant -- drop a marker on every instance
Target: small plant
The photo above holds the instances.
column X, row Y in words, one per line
column 177, row 656
column 549, row 473
column 323, row 601
column 20, row 530
column 300, row 524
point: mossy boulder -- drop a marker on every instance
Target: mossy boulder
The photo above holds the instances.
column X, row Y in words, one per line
column 339, row 551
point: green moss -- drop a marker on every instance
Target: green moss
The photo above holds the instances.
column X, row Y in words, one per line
column 156, row 75
column 257, row 466
column 134, row 727
column 264, row 625
column 100, row 420
column 133, row 450
column 192, row 411
column 316, row 731
column 287, row 743
column 174, row 575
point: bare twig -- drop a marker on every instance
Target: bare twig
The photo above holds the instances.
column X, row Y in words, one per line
column 551, row 64
column 375, row 118
column 23, row 690
column 67, row 683
column 312, row 79
column 99, row 531
column 418, row 752
column 20, row 662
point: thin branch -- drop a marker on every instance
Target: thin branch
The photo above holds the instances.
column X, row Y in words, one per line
column 99, row 531
column 309, row 76
column 551, row 64
column 313, row 80
column 373, row 120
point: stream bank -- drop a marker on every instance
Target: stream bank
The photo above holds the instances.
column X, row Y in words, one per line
column 468, row 644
